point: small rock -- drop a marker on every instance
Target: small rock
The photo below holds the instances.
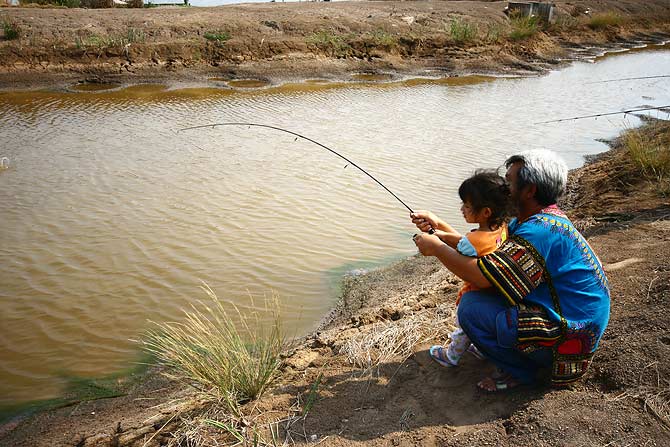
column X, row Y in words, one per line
column 99, row 440
column 407, row 19
column 302, row 359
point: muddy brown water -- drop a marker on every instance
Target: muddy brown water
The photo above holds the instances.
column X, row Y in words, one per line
column 111, row 218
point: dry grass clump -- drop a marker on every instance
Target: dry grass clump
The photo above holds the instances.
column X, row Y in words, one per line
column 653, row 392
column 605, row 20
column 388, row 341
column 523, row 26
column 231, row 360
column 649, row 149
column 461, row 31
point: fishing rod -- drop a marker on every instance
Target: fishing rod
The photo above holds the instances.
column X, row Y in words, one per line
column 297, row 135
column 604, row 114
column 628, row 79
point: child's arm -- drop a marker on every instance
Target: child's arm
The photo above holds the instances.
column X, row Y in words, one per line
column 451, row 238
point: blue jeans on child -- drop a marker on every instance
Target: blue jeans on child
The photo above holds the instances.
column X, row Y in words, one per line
column 491, row 325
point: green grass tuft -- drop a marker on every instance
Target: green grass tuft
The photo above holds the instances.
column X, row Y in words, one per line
column 230, row 362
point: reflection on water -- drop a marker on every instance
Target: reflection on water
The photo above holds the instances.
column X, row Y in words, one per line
column 111, row 217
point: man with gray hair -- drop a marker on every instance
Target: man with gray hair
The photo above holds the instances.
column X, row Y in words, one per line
column 544, row 301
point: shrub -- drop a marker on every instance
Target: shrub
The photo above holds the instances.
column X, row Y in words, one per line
column 227, row 363
column 523, row 26
column 605, row 20
column 461, row 31
column 650, row 150
column 10, row 29
column 97, row 4
column 217, row 36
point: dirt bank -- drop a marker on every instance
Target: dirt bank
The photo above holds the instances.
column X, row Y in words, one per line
column 289, row 41
column 368, row 394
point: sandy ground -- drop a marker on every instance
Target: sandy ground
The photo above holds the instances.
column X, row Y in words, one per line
column 281, row 42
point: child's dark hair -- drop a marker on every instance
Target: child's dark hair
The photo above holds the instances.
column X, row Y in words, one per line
column 487, row 189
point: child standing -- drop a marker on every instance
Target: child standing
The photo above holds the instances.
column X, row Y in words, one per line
column 486, row 202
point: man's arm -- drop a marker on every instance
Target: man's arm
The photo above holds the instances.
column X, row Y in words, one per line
column 464, row 267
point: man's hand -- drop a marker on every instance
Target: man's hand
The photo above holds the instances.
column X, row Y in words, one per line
column 427, row 244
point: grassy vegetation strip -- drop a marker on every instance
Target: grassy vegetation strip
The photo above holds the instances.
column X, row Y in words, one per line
column 233, row 360
column 649, row 150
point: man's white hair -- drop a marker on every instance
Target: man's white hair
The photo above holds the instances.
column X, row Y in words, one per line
column 544, row 169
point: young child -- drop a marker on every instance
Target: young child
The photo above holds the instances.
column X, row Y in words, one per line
column 486, row 202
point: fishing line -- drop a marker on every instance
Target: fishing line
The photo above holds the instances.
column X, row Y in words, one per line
column 310, row 140
column 625, row 112
column 628, row 79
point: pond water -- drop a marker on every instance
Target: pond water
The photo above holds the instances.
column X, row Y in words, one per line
column 111, row 218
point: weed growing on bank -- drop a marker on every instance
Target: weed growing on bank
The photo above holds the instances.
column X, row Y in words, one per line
column 495, row 32
column 10, row 29
column 650, row 151
column 604, row 20
column 131, row 36
column 230, row 360
column 523, row 26
column 461, row 31
column 384, row 39
column 217, row 36
column 335, row 44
